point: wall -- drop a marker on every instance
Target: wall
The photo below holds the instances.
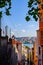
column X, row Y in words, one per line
column 35, row 54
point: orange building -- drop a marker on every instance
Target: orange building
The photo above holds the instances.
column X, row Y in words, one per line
column 40, row 43
column 40, row 35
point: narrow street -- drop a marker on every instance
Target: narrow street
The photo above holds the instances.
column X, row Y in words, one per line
column 21, row 32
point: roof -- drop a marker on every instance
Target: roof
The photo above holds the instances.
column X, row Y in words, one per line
column 14, row 41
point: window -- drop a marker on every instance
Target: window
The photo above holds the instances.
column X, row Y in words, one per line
column 42, row 58
column 39, row 51
column 41, row 45
column 42, row 35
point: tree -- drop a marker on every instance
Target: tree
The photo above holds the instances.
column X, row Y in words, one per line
column 27, row 47
column 4, row 5
column 34, row 9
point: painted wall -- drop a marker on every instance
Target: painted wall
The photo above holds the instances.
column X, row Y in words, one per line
column 18, row 48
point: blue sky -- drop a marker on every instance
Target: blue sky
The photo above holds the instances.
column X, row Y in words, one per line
column 17, row 22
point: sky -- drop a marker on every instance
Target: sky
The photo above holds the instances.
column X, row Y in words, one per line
column 19, row 26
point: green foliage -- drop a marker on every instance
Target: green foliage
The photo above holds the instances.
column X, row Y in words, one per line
column 6, row 4
column 30, row 3
column 7, row 12
column 1, row 14
column 27, row 18
column 33, row 9
column 26, row 47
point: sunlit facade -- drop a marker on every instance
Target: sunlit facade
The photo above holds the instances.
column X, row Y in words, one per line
column 18, row 48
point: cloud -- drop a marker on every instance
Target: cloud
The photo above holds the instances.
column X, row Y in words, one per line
column 17, row 25
column 23, row 31
column 12, row 33
column 32, row 25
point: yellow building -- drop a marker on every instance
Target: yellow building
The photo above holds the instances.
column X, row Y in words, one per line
column 25, row 51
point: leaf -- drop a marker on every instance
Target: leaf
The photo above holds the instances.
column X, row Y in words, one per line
column 1, row 14
column 7, row 12
column 38, row 1
column 9, row 3
column 30, row 11
column 30, row 3
column 2, row 4
column 27, row 18
column 35, row 17
column 5, row 4
column 9, row 0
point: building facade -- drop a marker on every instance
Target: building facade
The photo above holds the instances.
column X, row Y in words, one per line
column 40, row 34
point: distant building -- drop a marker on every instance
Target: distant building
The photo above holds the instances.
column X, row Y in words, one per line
column 24, row 51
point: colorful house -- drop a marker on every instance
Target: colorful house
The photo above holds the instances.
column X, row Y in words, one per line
column 18, row 48
column 25, row 51
column 39, row 48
